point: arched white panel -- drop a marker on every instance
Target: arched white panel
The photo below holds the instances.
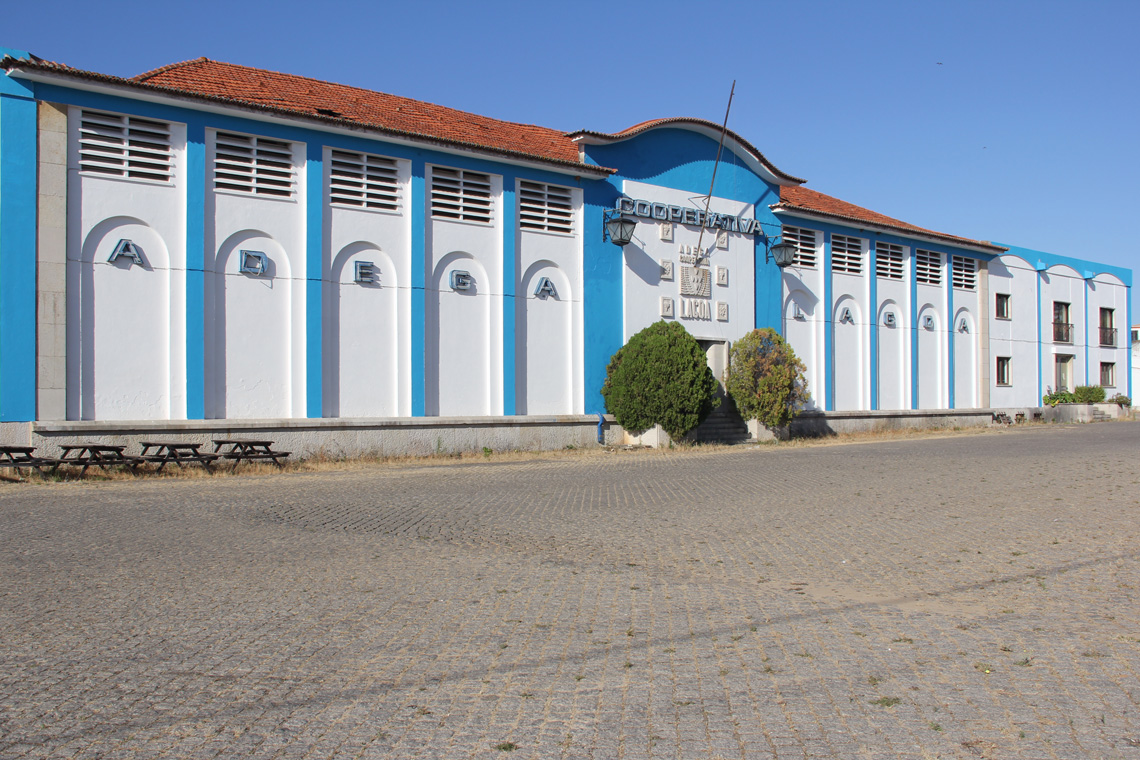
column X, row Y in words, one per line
column 458, row 340
column 800, row 317
column 965, row 360
column 931, row 367
column 249, row 351
column 892, row 334
column 123, row 332
column 545, row 342
column 849, row 355
column 361, row 348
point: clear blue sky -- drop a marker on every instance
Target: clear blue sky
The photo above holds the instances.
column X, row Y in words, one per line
column 1010, row 121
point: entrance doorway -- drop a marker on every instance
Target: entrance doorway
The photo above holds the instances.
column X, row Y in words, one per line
column 1063, row 373
column 716, row 352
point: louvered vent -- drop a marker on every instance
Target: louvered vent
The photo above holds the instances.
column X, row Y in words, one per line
column 928, row 267
column 965, row 272
column 805, row 246
column 889, row 260
column 255, row 165
column 545, row 207
column 362, row 180
column 463, row 195
column 846, row 254
column 125, row 146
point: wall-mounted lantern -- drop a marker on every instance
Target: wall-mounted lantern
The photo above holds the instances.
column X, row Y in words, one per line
column 616, row 228
column 783, row 253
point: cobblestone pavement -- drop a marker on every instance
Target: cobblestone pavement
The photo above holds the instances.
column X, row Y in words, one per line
column 958, row 597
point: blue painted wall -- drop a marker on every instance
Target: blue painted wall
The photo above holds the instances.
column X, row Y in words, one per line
column 18, row 150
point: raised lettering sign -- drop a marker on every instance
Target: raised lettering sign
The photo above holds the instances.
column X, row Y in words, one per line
column 129, row 250
column 253, row 262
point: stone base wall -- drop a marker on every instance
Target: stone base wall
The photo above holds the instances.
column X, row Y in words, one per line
column 335, row 438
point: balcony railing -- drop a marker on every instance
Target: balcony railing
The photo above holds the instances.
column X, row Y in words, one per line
column 1062, row 332
column 1108, row 336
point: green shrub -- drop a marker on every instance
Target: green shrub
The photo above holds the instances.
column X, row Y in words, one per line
column 1088, row 394
column 660, row 377
column 766, row 379
column 1121, row 399
column 1058, row 397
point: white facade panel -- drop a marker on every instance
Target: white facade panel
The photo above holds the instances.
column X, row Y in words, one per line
column 255, row 323
column 549, row 317
column 734, row 285
column 368, row 306
column 893, row 324
column 126, row 321
column 1014, row 338
column 852, row 320
column 1061, row 346
column 464, row 326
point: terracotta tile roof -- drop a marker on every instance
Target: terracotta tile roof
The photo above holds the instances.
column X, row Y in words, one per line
column 338, row 103
column 644, row 126
column 817, row 204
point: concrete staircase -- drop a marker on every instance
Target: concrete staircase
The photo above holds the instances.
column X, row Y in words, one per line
column 723, row 425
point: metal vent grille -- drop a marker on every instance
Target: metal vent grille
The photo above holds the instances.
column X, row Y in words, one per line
column 462, row 195
column 928, row 267
column 362, row 180
column 889, row 261
column 965, row 272
column 255, row 165
column 805, row 242
column 125, row 146
column 545, row 207
column 846, row 254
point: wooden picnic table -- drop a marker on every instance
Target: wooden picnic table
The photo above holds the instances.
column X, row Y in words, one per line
column 18, row 457
column 97, row 454
column 239, row 450
column 179, row 452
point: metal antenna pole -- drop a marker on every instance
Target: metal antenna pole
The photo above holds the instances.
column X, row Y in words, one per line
column 719, row 148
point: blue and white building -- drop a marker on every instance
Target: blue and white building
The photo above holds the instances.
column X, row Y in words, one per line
column 211, row 242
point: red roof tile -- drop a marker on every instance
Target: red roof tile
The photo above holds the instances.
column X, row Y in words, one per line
column 313, row 98
column 811, row 201
column 373, row 109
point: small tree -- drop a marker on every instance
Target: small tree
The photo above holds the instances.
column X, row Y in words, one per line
column 660, row 377
column 766, row 379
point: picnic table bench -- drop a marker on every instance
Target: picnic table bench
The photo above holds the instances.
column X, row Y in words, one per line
column 179, row 452
column 240, row 450
column 100, row 455
column 18, row 457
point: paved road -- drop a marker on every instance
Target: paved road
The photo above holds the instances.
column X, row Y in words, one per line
column 956, row 597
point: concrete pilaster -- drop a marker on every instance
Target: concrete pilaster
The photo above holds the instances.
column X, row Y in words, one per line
column 51, row 264
column 984, row 369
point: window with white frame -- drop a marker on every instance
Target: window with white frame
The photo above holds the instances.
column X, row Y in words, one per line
column 1002, row 307
column 362, row 180
column 117, row 145
column 1002, row 374
column 548, row 208
column 805, row 242
column 846, row 254
column 461, row 195
column 254, row 165
column 1108, row 374
column 964, row 272
column 928, row 267
column 888, row 260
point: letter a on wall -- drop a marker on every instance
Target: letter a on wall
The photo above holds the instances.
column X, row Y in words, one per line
column 845, row 316
column 545, row 288
column 963, row 326
column 126, row 249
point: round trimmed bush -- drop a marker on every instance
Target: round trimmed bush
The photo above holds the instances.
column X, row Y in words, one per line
column 660, row 377
column 1088, row 394
column 766, row 379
